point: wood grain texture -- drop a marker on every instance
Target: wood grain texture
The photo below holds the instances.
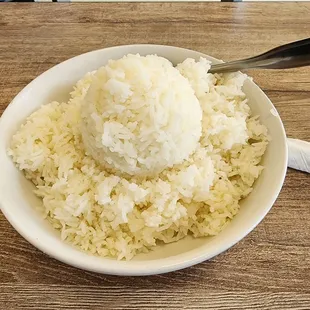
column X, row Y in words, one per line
column 270, row 268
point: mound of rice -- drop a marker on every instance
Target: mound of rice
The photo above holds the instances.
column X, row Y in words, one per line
column 198, row 191
column 140, row 116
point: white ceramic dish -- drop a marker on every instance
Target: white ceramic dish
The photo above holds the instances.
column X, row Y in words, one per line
column 17, row 200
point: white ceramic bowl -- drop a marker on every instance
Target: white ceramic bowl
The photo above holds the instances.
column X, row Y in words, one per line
column 17, row 200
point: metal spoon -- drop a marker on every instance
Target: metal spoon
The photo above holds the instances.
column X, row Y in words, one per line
column 292, row 55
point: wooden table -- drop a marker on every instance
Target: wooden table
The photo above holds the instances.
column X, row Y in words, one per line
column 269, row 269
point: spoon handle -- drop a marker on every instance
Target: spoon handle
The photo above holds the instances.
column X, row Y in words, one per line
column 292, row 55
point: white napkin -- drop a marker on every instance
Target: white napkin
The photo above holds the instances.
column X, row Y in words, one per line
column 299, row 154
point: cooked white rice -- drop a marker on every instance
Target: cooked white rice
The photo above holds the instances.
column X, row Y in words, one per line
column 140, row 116
column 113, row 215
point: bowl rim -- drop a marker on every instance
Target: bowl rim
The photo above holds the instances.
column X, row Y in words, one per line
column 137, row 268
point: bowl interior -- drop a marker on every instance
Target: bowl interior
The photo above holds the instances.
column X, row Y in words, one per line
column 18, row 202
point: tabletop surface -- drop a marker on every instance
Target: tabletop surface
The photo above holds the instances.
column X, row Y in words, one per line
column 270, row 268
